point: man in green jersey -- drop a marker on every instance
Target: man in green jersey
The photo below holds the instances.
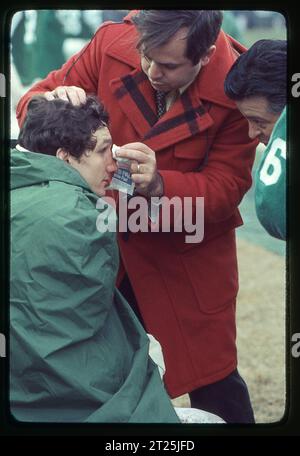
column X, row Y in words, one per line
column 257, row 83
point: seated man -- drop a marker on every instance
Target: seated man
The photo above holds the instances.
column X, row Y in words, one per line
column 257, row 82
column 77, row 351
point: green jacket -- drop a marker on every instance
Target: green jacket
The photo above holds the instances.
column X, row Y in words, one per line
column 77, row 351
column 270, row 182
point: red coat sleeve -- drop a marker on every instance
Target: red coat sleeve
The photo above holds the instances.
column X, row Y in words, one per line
column 225, row 178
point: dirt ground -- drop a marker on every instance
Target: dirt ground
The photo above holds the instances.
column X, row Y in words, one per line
column 261, row 330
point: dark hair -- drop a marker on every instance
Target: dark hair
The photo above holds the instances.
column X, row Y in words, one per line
column 156, row 27
column 50, row 125
column 261, row 71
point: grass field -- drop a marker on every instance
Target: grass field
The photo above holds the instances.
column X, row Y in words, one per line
column 274, row 33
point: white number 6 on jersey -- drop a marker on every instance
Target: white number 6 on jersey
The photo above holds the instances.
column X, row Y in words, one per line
column 271, row 169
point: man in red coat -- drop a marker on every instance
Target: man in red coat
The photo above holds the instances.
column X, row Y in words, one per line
column 185, row 293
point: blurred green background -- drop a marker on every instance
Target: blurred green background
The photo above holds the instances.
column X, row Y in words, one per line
column 41, row 40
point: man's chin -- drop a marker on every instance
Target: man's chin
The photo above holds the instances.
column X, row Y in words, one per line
column 100, row 191
column 264, row 141
column 157, row 86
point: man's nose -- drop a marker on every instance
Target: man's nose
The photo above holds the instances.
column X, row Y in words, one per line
column 254, row 131
column 111, row 165
column 154, row 71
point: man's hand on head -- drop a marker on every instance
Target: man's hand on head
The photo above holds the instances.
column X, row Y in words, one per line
column 74, row 94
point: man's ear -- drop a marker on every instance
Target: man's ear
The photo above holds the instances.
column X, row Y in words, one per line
column 206, row 58
column 62, row 155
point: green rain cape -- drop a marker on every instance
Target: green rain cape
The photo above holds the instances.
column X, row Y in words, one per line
column 77, row 351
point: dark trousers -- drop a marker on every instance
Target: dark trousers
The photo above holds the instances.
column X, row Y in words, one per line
column 227, row 398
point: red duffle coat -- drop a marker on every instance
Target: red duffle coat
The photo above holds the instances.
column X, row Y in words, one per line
column 186, row 292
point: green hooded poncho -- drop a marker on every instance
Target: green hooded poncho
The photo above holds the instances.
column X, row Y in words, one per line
column 77, row 351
